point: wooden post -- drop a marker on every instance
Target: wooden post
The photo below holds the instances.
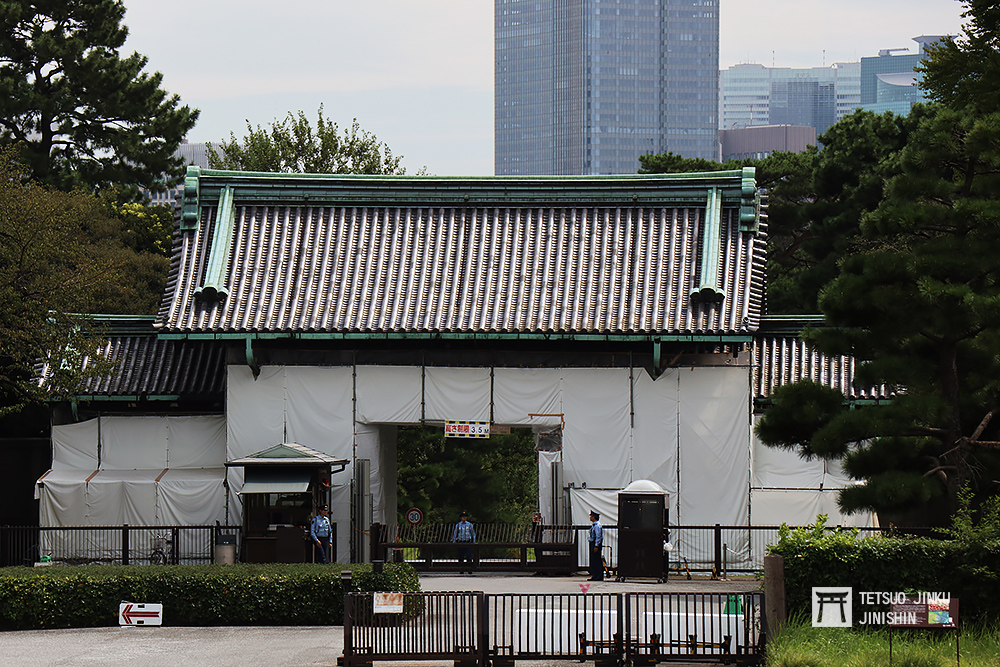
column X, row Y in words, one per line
column 774, row 592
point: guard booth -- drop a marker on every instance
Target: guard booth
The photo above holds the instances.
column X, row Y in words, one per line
column 642, row 530
column 283, row 487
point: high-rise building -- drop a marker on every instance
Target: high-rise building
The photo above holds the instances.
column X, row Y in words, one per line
column 587, row 86
column 889, row 81
column 751, row 95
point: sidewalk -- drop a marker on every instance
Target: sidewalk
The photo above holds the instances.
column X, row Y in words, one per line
column 279, row 646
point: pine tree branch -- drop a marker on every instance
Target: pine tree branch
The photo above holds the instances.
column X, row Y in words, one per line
column 983, row 424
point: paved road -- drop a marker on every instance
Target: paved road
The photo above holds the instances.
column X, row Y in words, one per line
column 277, row 646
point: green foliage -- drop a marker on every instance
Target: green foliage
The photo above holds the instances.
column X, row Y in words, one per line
column 818, row 556
column 84, row 115
column 494, row 479
column 292, row 145
column 965, row 72
column 62, row 253
column 801, row 645
column 916, row 294
column 202, row 595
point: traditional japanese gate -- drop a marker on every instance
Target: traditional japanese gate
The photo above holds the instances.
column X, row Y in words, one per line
column 609, row 628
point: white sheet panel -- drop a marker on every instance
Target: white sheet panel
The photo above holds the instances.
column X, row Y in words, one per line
column 654, row 437
column 63, row 498
column 784, row 469
column 714, row 428
column 139, row 493
column 74, row 446
column 191, row 497
column 235, row 477
column 105, row 500
column 597, row 438
column 834, row 476
column 518, row 392
column 796, row 508
column 196, row 441
column 457, row 394
column 369, row 447
column 388, row 437
column 319, row 407
column 133, row 443
column 388, row 394
column 255, row 410
column 340, row 513
column 545, row 463
column 605, row 503
column 800, row 508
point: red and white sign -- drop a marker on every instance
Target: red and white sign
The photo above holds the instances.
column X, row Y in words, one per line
column 458, row 429
column 140, row 613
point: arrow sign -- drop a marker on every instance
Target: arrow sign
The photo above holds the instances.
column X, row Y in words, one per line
column 139, row 613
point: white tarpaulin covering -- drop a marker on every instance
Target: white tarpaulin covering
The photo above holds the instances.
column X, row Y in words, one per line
column 800, row 508
column 688, row 431
column 605, row 503
column 457, row 394
column 714, row 444
column 789, row 489
column 620, row 425
column 74, row 446
column 389, row 394
column 138, row 470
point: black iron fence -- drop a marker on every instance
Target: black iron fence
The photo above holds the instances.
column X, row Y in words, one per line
column 609, row 628
column 112, row 545
column 716, row 549
column 498, row 546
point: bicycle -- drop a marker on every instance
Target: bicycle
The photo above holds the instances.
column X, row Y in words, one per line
column 160, row 554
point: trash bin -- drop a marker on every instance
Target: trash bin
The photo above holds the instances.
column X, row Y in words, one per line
column 225, row 549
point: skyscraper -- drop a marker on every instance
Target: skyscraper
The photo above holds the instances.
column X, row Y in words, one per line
column 586, row 86
column 751, row 95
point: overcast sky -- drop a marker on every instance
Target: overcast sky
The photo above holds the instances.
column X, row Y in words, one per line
column 419, row 73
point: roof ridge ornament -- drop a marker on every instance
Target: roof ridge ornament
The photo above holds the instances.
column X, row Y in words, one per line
column 711, row 249
column 222, row 240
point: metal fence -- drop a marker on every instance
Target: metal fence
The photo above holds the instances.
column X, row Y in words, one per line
column 609, row 628
column 716, row 549
column 111, row 545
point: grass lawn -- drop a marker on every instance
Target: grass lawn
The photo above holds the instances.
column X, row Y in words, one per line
column 801, row 645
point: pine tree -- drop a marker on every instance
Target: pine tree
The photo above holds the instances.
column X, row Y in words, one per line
column 85, row 115
column 917, row 302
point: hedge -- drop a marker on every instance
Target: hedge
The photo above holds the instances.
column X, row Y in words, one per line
column 193, row 595
column 815, row 556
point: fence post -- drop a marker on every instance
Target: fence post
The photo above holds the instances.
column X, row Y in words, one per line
column 774, row 591
column 718, row 552
column 125, row 549
column 375, row 542
column 482, row 632
column 348, row 627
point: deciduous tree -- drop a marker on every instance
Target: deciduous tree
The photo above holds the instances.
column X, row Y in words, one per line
column 293, row 145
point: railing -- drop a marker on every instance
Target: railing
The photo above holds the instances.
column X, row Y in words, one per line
column 714, row 549
column 112, row 545
column 433, row 626
column 608, row 628
column 534, row 547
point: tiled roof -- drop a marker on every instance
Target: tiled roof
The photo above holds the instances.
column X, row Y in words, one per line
column 146, row 366
column 781, row 357
column 613, row 255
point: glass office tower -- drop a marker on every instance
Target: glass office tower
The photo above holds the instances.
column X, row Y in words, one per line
column 586, row 86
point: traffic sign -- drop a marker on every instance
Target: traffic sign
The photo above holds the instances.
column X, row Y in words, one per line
column 140, row 613
column 414, row 516
column 461, row 429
